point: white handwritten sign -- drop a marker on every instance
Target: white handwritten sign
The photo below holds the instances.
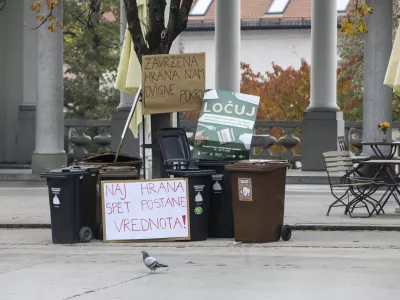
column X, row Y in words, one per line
column 145, row 210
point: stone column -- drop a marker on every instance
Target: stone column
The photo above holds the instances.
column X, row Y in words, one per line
column 322, row 122
column 119, row 117
column 227, row 45
column 27, row 109
column 378, row 46
column 49, row 149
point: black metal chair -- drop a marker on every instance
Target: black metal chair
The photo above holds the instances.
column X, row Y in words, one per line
column 351, row 185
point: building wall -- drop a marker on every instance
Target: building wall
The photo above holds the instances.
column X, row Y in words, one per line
column 12, row 92
column 3, row 23
column 18, row 72
column 259, row 48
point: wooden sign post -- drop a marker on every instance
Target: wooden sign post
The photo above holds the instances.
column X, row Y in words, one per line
column 145, row 210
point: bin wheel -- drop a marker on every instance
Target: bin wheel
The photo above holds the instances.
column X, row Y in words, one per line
column 100, row 232
column 85, row 234
column 286, row 232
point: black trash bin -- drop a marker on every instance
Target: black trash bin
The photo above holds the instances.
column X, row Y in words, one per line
column 199, row 185
column 72, row 199
column 220, row 221
column 176, row 152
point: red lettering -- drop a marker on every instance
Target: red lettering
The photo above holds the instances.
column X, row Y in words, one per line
column 157, row 202
column 161, row 224
column 176, row 201
column 162, row 187
column 144, row 202
column 171, row 187
column 143, row 228
column 169, row 221
column 156, row 225
column 109, row 190
column 126, row 223
column 168, row 202
column 180, row 186
column 127, row 205
column 116, row 226
column 108, row 205
column 134, row 224
column 151, row 187
column 183, row 201
column 146, row 188
column 114, row 206
column 122, row 192
column 119, row 208
column 177, row 221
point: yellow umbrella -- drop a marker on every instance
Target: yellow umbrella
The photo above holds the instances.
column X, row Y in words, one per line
column 392, row 78
column 129, row 74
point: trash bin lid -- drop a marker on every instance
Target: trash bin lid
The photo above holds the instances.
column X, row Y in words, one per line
column 108, row 158
column 213, row 163
column 68, row 172
column 191, row 173
column 257, row 165
column 174, row 145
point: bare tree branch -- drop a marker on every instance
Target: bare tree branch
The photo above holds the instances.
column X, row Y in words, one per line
column 156, row 37
column 132, row 16
column 183, row 16
column 173, row 21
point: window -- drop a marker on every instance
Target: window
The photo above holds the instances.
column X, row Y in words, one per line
column 278, row 7
column 342, row 5
column 200, row 7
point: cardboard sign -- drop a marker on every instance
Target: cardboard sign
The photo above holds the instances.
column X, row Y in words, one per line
column 225, row 127
column 145, row 210
column 173, row 82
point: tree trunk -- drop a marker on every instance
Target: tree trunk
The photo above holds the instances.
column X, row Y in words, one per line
column 159, row 39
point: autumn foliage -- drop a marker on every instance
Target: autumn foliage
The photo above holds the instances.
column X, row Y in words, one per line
column 285, row 92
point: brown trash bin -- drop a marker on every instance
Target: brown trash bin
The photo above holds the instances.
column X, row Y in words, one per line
column 126, row 168
column 258, row 199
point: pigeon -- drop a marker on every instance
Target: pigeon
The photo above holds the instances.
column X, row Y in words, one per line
column 152, row 263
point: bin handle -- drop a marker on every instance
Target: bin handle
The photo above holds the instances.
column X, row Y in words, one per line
column 65, row 170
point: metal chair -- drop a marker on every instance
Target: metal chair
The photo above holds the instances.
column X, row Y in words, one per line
column 342, row 143
column 351, row 185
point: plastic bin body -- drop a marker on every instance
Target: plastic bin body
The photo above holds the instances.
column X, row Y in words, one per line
column 199, row 185
column 220, row 220
column 67, row 209
column 258, row 197
column 91, row 190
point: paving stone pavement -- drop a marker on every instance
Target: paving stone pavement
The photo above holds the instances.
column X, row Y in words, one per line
column 305, row 205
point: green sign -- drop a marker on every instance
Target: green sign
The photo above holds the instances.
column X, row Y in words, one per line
column 225, row 127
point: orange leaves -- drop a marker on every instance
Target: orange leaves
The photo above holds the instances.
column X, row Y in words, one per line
column 48, row 17
column 36, row 6
column 59, row 25
column 355, row 20
column 285, row 93
column 41, row 17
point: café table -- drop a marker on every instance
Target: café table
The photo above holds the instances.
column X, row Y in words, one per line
column 394, row 146
column 386, row 176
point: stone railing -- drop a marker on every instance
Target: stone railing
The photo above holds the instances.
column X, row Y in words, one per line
column 287, row 138
column 85, row 137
